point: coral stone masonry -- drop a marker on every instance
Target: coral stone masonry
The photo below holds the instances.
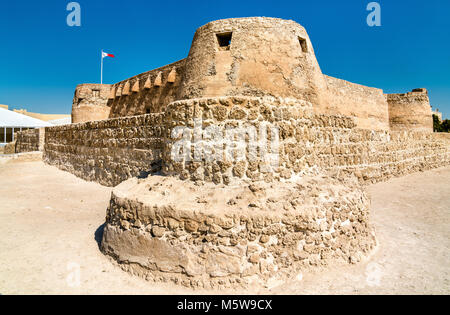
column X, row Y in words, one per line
column 243, row 163
column 90, row 103
column 204, row 235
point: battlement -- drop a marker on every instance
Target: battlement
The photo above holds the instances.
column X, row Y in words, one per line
column 146, row 93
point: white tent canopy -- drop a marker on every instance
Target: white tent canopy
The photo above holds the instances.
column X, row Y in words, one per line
column 10, row 119
column 11, row 122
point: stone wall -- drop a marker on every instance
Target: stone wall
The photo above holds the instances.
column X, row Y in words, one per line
column 307, row 141
column 410, row 111
column 30, row 140
column 253, row 57
column 367, row 105
column 210, row 235
column 236, row 121
column 378, row 156
column 90, row 103
column 114, row 150
column 146, row 93
column 107, row 151
column 10, row 148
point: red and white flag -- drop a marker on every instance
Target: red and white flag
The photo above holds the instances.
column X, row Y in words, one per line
column 104, row 54
column 107, row 55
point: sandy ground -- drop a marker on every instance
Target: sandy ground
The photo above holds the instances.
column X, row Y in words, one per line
column 50, row 224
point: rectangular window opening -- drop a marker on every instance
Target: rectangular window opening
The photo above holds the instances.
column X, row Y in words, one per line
column 96, row 93
column 303, row 44
column 224, row 40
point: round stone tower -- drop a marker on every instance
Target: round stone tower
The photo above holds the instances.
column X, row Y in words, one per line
column 90, row 103
column 410, row 111
column 252, row 57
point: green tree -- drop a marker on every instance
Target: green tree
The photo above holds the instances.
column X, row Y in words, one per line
column 445, row 126
column 440, row 127
column 436, row 124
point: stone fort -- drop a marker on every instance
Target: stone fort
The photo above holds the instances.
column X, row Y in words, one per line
column 252, row 57
column 226, row 222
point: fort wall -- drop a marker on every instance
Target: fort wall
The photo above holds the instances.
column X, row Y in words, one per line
column 195, row 235
column 113, row 150
column 9, row 148
column 107, row 151
column 30, row 140
column 44, row 117
column 307, row 141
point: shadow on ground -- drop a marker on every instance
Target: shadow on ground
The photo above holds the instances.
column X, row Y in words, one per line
column 98, row 235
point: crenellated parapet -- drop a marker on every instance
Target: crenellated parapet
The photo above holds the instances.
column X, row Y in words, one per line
column 146, row 93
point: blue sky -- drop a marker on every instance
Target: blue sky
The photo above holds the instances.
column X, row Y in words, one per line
column 42, row 59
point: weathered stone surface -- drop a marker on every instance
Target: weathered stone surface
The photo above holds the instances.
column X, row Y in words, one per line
column 30, row 140
column 410, row 111
column 10, row 148
column 112, row 93
column 151, row 98
column 148, row 83
column 158, row 231
column 108, row 151
column 264, row 57
column 90, row 102
column 313, row 231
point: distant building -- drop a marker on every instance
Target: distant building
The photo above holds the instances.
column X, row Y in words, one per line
column 61, row 121
column 44, row 117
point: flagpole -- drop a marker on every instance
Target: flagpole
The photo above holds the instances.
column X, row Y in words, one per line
column 101, row 71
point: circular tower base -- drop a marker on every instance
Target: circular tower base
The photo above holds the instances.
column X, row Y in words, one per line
column 204, row 235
